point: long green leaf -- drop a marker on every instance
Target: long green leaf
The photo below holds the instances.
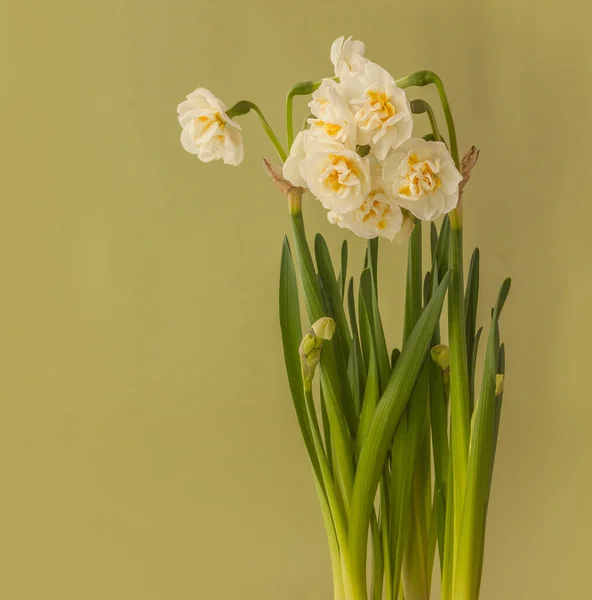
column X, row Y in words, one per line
column 400, row 489
column 355, row 375
column 326, row 428
column 343, row 271
column 308, row 276
column 412, row 538
column 473, row 365
column 371, row 396
column 373, row 260
column 351, row 306
column 335, row 389
column 442, row 247
column 413, row 290
column 384, row 424
column 384, row 366
column 435, row 531
column 378, row 560
column 501, row 369
column 332, row 288
column 439, row 426
column 342, row 449
column 433, row 240
column 378, row 341
column 470, row 547
column 342, row 339
column 291, row 337
column 364, row 316
column 449, row 539
column 471, row 299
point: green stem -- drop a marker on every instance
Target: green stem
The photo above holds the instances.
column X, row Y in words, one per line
column 245, row 106
column 300, row 89
column 422, row 78
column 290, row 119
column 270, row 133
column 419, row 107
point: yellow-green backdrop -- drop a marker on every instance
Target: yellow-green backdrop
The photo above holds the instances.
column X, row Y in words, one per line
column 148, row 448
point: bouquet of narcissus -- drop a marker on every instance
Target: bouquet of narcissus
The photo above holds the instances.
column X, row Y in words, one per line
column 401, row 442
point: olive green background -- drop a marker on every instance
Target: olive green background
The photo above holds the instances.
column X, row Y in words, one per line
column 148, row 447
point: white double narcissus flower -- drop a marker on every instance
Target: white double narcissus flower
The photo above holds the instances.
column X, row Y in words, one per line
column 421, row 177
column 377, row 215
column 337, row 176
column 347, row 56
column 207, row 130
column 381, row 109
column 333, row 120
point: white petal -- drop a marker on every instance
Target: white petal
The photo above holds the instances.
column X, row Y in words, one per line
column 187, row 140
column 291, row 168
column 234, row 149
column 426, row 208
column 450, row 201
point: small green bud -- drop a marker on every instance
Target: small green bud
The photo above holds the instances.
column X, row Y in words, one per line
column 441, row 356
column 308, row 344
column 310, row 355
column 312, row 345
column 324, row 328
column 240, row 108
column 304, row 88
column 499, row 384
column 419, row 106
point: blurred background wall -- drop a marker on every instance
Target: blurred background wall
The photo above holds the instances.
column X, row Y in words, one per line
column 148, row 447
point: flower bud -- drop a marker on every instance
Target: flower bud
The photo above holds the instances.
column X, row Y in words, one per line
column 324, row 328
column 310, row 355
column 239, row 109
column 499, row 384
column 304, row 88
column 311, row 346
column 441, row 356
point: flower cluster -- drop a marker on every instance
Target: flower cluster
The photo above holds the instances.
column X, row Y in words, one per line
column 357, row 155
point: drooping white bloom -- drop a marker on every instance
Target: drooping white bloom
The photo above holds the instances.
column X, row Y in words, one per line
column 421, row 177
column 378, row 215
column 381, row 109
column 333, row 119
column 207, row 130
column 347, row 56
column 337, row 176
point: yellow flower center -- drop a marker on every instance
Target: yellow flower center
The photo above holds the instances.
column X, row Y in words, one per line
column 375, row 209
column 339, row 172
column 209, row 121
column 331, row 129
column 381, row 104
column 421, row 178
